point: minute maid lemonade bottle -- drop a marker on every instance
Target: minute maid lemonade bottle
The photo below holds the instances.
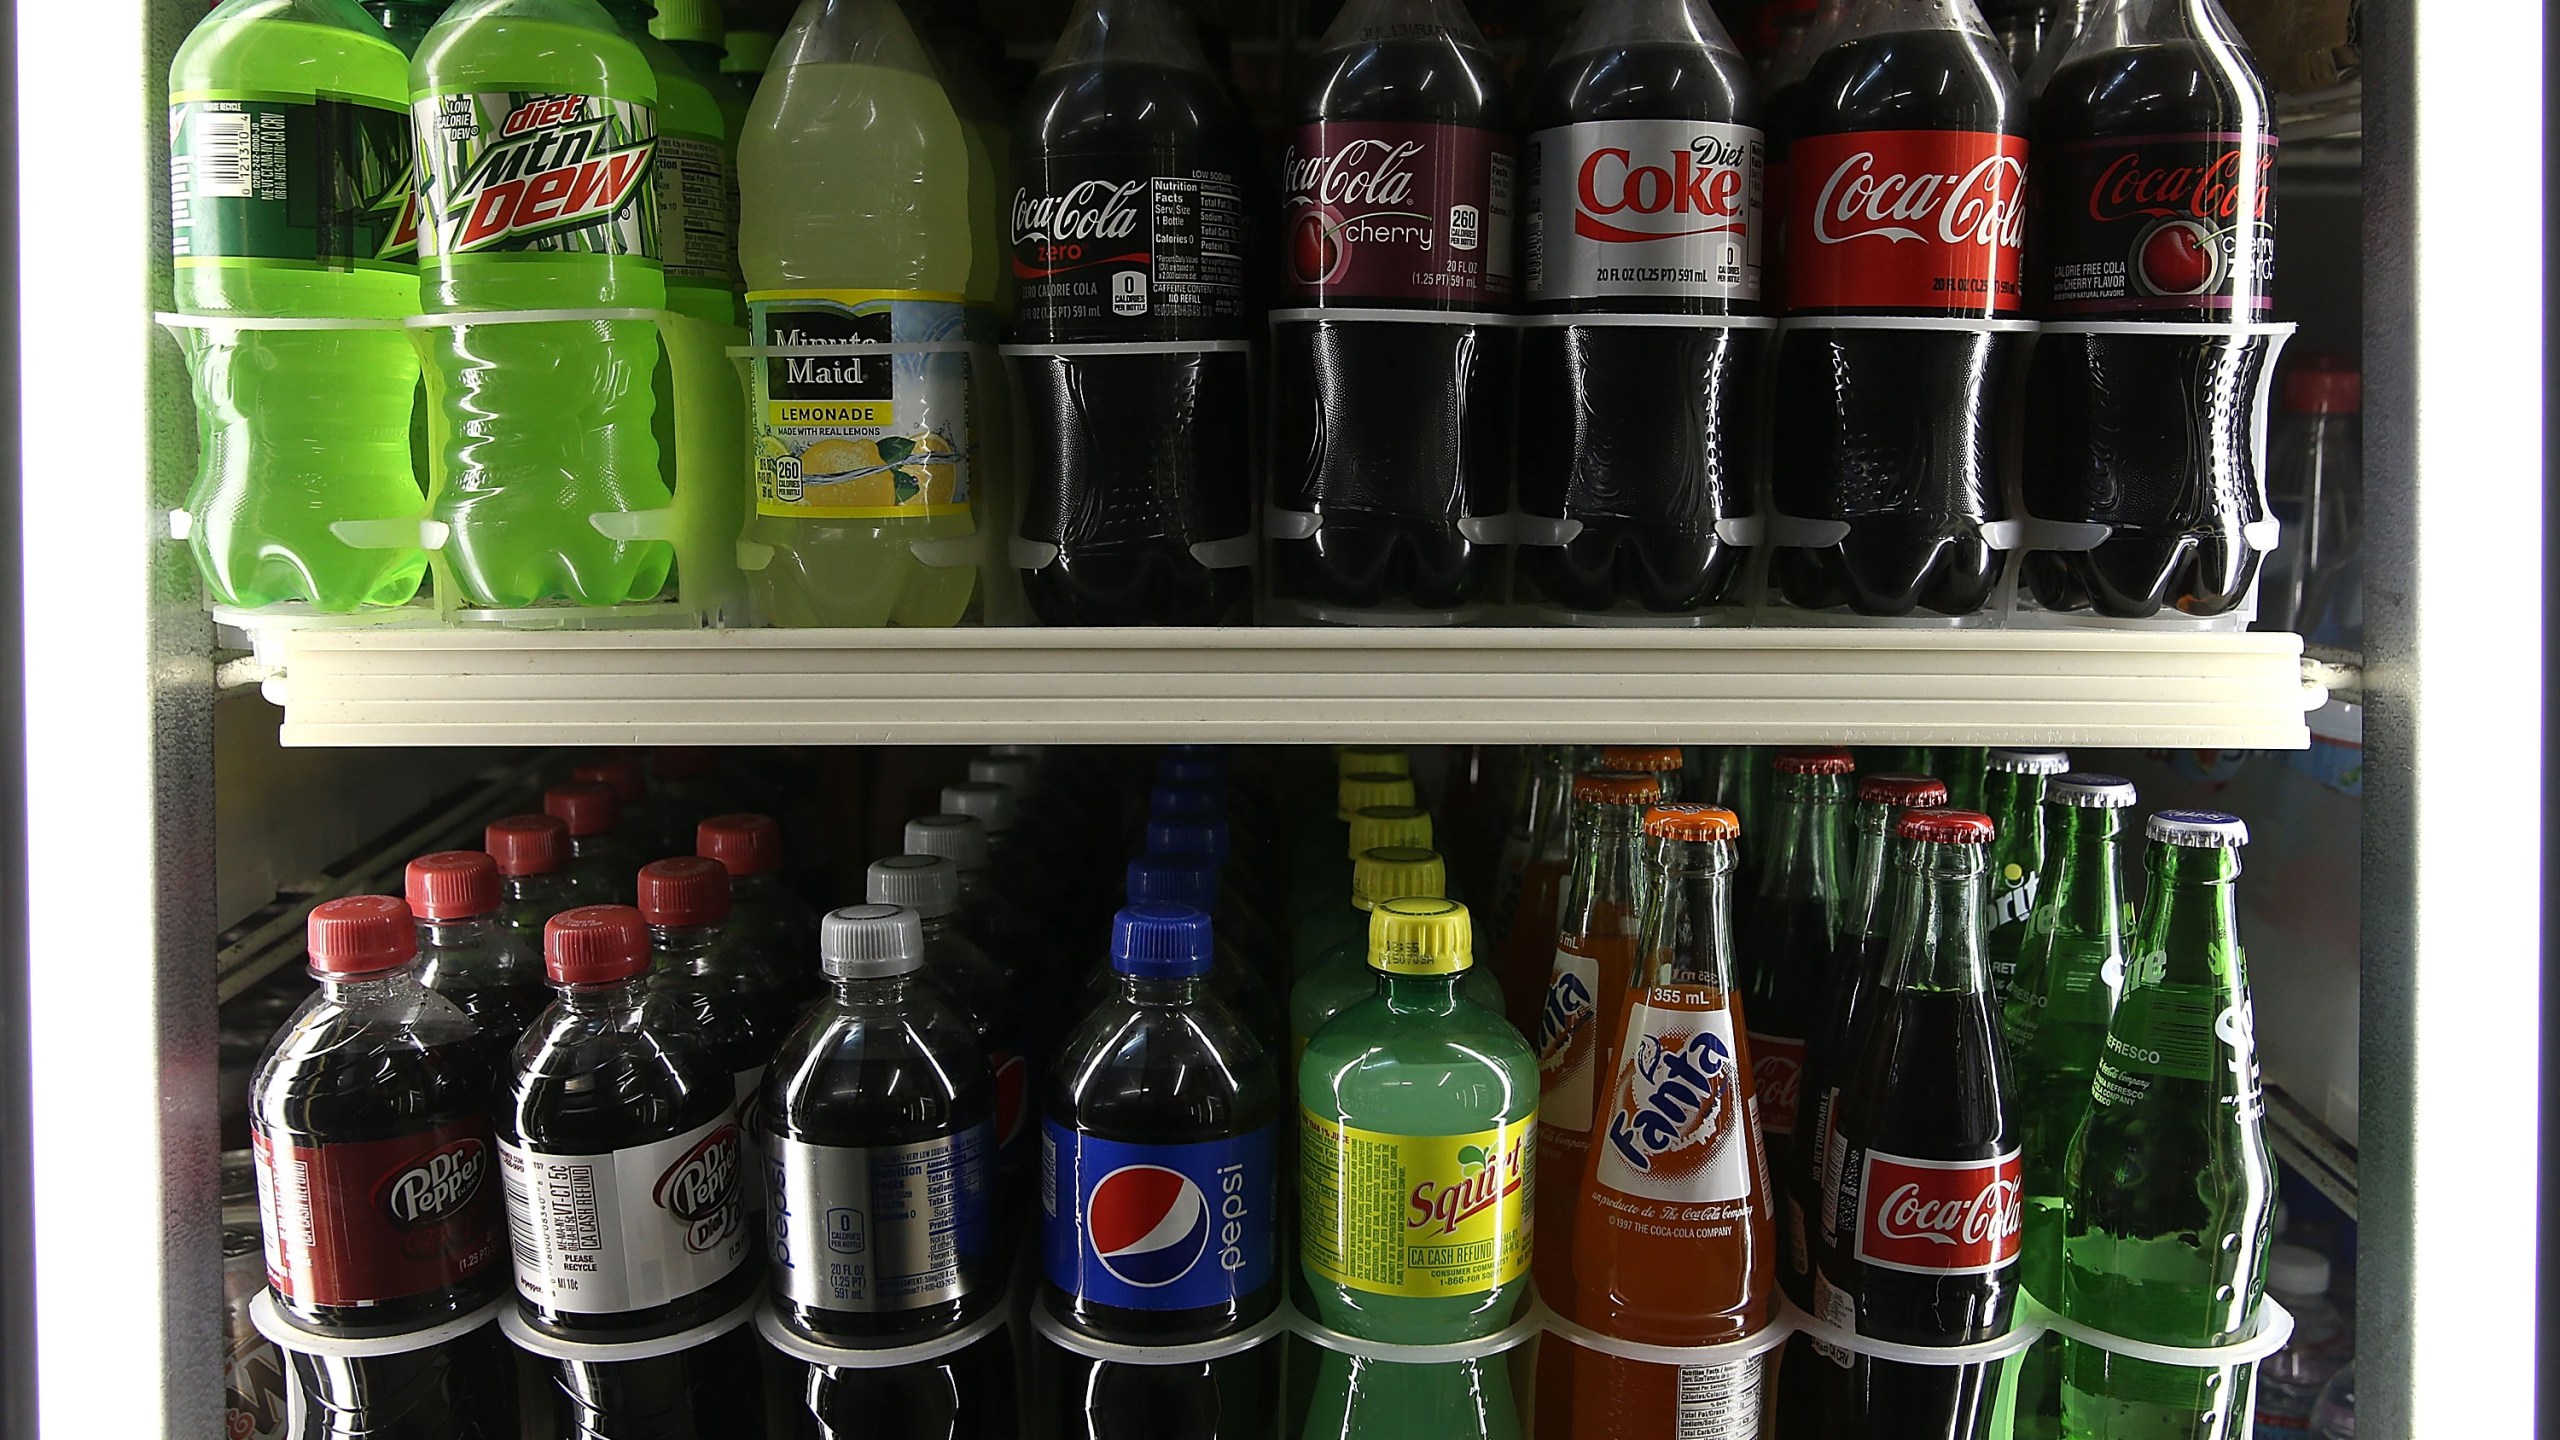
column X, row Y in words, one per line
column 1417, row 1135
column 537, row 125
column 854, row 230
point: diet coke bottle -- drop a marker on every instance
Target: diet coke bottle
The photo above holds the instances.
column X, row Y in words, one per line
column 1906, row 176
column 2155, row 269
column 1640, row 186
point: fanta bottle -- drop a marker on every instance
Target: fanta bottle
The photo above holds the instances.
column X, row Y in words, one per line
column 854, row 232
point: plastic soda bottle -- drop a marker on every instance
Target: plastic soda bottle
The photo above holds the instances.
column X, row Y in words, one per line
column 761, row 907
column 2170, row 1192
column 468, row 953
column 537, row 132
column 2013, row 795
column 406, row 23
column 532, row 852
column 1233, row 979
column 986, row 990
column 1322, row 933
column 853, row 230
column 603, row 866
column 1340, row 977
column 697, row 225
column 1417, row 1112
column 721, row 976
column 1673, row 1245
column 289, row 170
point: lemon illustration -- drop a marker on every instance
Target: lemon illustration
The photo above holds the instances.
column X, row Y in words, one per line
column 774, row 448
column 864, row 492
column 838, row 457
column 938, row 481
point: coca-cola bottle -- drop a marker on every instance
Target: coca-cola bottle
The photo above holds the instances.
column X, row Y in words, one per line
column 1907, row 164
column 1640, row 188
column 1391, row 379
column 1130, row 227
column 2155, row 251
column 1928, row 1187
column 1789, row 930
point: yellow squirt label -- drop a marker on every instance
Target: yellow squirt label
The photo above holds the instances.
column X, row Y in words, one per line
column 1422, row 1215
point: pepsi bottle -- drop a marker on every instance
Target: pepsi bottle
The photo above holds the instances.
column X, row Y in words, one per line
column 1159, row 1204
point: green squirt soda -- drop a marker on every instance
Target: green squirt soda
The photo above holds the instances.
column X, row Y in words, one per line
column 537, row 131
column 2013, row 796
column 289, row 173
column 1417, row 1127
column 2170, row 1192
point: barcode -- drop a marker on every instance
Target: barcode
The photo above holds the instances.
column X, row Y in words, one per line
column 221, row 155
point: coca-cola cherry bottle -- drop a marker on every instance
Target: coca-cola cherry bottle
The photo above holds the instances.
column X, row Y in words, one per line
column 1640, row 188
column 1906, row 172
column 2156, row 153
column 1391, row 402
column 1130, row 227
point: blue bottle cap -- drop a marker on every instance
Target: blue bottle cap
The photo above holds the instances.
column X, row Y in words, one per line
column 1186, row 804
column 1161, row 942
column 1174, row 880
column 1204, row 838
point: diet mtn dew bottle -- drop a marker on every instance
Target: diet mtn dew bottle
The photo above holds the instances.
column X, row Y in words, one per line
column 696, row 193
column 288, row 170
column 854, row 232
column 537, row 132
column 1417, row 1129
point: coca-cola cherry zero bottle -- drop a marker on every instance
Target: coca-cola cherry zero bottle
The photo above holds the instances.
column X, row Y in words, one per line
column 2156, row 150
column 1907, row 166
column 1391, row 387
column 1129, row 227
column 1640, row 188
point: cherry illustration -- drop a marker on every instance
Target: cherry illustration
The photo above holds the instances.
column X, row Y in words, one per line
column 2176, row 260
column 1313, row 252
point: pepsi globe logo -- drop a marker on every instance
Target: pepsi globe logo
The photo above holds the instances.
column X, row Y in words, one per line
column 1013, row 1095
column 1149, row 1226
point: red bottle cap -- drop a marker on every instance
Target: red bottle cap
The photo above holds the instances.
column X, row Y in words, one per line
column 1687, row 821
column 1612, row 787
column 585, row 806
column 1827, row 760
column 680, row 762
column 361, row 935
column 684, row 890
column 527, row 845
column 595, row 945
column 453, row 885
column 1910, row 792
column 1944, row 827
column 2324, row 385
column 747, row 844
column 629, row 781
column 1642, row 759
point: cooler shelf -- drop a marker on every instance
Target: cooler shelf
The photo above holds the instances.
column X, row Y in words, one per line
column 382, row 686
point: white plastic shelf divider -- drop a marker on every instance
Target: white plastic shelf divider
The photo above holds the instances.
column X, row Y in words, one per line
column 1864, row 686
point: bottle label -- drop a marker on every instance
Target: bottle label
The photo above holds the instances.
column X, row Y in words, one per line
column 1394, row 213
column 749, row 1084
column 693, row 212
column 630, row 1229
column 857, row 436
column 1777, row 1078
column 879, row 1228
column 1719, row 1402
column 2013, row 896
column 1568, row 1042
column 1107, row 248
column 2174, row 1032
column 378, row 1220
column 1675, row 1128
column 1013, row 1104
column 1423, row 1215
column 512, row 171
column 318, row 183
column 1907, row 220
column 1938, row 1217
column 1643, row 208
column 2150, row 223
column 1158, row 1227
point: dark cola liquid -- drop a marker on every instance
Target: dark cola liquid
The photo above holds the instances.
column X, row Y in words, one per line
column 967, row 1396
column 1141, row 464
column 1644, row 434
column 710, row 1392
column 1786, row 967
column 1233, row 1398
column 463, row 1389
column 1823, row 1393
column 1827, row 1056
column 1893, row 432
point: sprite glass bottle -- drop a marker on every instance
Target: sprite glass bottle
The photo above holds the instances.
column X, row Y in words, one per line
column 1418, row 1108
column 2169, row 1191
column 2013, row 795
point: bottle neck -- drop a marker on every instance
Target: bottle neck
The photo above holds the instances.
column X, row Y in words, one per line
column 1420, row 994
column 457, row 934
column 1126, row 32
column 2190, row 927
column 939, row 929
column 372, row 989
column 1937, row 920
column 1366, row 21
column 1871, row 828
column 2087, row 895
column 610, row 997
column 873, row 992
column 2016, row 803
column 583, row 847
column 1162, row 992
column 1802, row 861
column 682, row 947
column 1550, row 832
column 1685, row 23
column 1606, row 857
column 545, row 886
column 1688, row 937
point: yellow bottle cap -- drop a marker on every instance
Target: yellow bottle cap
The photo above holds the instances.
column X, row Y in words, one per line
column 1385, row 825
column 1420, row 935
column 1397, row 872
column 1349, row 760
column 1364, row 788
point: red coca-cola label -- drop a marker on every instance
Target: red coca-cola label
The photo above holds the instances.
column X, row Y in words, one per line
column 1777, row 1077
column 2149, row 224
column 1396, row 213
column 1905, row 221
column 379, row 1220
column 1939, row 1217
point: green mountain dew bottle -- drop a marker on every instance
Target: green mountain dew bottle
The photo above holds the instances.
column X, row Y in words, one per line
column 407, row 22
column 695, row 30
column 1418, row 1118
column 745, row 50
column 288, row 169
column 537, row 125
column 1340, row 977
column 2170, row 1192
column 2070, row 966
column 696, row 179
column 2013, row 796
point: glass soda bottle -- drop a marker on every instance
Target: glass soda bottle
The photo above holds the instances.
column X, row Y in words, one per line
column 2013, row 784
column 1791, row 932
column 2170, row 1191
column 289, row 172
column 468, row 953
column 1673, row 1245
column 1737, row 777
column 762, row 910
column 1594, row 962
column 1419, row 1082
column 603, row 864
column 370, row 1132
column 1528, row 882
column 535, row 429
column 1341, row 978
column 853, row 230
column 532, row 852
